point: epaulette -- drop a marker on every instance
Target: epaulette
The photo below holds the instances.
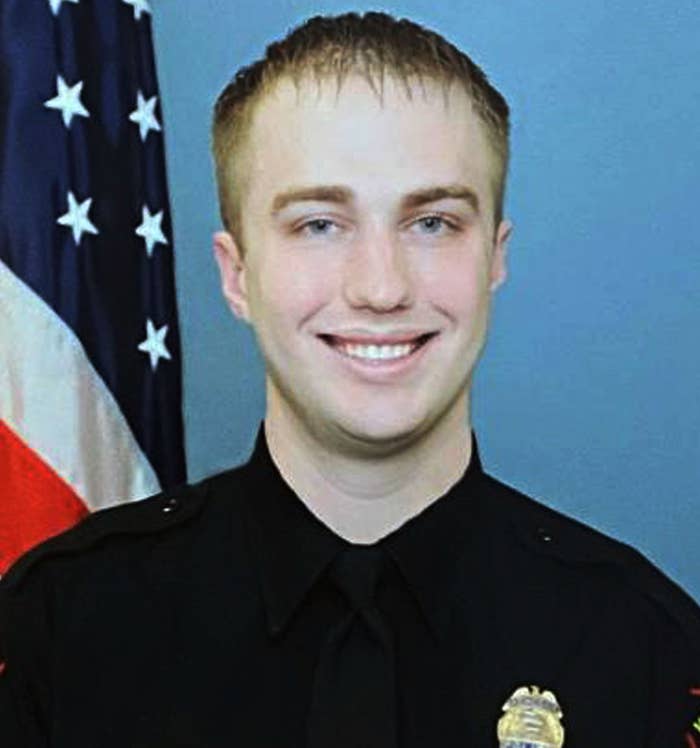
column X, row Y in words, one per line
column 547, row 531
column 145, row 516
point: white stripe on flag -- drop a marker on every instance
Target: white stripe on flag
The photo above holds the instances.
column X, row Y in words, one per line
column 53, row 398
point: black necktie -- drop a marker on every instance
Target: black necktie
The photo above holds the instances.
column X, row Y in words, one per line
column 353, row 703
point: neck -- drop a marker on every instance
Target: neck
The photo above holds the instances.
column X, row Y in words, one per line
column 363, row 498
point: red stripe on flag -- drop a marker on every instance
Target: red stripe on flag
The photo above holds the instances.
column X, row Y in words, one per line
column 35, row 502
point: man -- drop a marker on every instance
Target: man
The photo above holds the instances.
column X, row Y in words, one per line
column 361, row 581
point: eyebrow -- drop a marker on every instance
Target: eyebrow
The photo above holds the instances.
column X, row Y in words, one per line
column 433, row 194
column 321, row 194
column 344, row 196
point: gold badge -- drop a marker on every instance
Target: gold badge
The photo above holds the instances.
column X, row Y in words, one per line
column 531, row 720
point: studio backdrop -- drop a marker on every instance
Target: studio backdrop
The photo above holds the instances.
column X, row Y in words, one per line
column 588, row 393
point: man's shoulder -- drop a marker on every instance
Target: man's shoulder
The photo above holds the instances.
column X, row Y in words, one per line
column 129, row 525
column 552, row 534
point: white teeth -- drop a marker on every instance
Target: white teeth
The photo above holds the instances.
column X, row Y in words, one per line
column 377, row 352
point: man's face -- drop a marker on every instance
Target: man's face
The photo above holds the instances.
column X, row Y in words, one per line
column 371, row 254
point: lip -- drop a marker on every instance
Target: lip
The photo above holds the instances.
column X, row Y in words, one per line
column 380, row 370
column 360, row 338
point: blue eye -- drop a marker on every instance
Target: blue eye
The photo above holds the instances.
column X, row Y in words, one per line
column 317, row 227
column 434, row 224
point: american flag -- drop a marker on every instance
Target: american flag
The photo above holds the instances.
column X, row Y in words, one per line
column 90, row 382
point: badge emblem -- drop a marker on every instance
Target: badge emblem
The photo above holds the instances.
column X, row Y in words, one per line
column 531, row 719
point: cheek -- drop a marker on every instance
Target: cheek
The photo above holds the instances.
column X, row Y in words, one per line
column 459, row 287
column 290, row 290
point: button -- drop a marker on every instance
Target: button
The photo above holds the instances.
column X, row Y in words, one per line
column 171, row 505
column 544, row 535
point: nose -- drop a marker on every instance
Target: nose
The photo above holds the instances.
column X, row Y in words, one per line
column 377, row 274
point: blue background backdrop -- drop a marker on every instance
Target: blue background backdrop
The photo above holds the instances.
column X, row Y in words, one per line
column 588, row 393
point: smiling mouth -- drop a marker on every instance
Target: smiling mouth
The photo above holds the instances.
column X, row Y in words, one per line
column 376, row 351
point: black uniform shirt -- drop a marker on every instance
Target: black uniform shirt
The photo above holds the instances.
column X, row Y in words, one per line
column 196, row 618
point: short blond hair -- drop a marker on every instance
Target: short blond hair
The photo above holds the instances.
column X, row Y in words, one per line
column 373, row 45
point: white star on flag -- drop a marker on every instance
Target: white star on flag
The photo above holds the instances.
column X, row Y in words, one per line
column 77, row 218
column 154, row 344
column 140, row 6
column 150, row 229
column 144, row 115
column 56, row 5
column 67, row 100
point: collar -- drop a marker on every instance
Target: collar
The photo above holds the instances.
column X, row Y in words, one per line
column 293, row 547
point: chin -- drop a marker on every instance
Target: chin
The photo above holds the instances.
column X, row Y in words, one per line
column 379, row 436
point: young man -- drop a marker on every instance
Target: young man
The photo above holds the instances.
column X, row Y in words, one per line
column 361, row 582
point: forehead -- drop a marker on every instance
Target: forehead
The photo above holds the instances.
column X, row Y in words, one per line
column 317, row 131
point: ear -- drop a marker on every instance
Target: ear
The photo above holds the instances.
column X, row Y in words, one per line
column 499, row 270
column 233, row 273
